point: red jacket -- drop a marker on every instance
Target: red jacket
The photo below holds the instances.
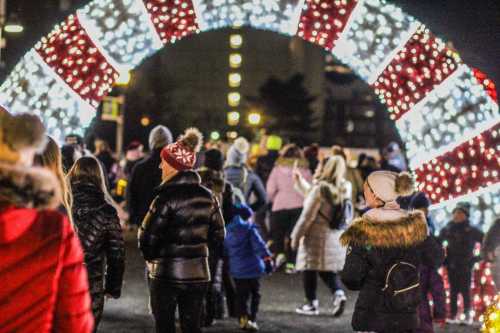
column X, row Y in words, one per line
column 43, row 282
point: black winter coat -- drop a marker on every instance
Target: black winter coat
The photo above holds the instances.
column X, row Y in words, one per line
column 146, row 177
column 184, row 221
column 460, row 240
column 101, row 236
column 373, row 248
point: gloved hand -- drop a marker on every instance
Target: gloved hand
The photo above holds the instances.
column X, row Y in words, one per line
column 268, row 261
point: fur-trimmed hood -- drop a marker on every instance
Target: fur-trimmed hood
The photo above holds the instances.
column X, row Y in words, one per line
column 28, row 187
column 408, row 230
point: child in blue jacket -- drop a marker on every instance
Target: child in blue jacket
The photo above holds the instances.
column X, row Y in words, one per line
column 249, row 260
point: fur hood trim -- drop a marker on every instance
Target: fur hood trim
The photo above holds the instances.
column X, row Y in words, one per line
column 405, row 232
column 290, row 162
column 28, row 187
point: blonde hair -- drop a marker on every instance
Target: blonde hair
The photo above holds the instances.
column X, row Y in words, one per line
column 89, row 169
column 333, row 170
column 51, row 159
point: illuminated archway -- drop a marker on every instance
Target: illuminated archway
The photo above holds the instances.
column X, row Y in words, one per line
column 443, row 109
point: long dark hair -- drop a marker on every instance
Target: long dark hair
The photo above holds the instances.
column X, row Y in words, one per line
column 88, row 169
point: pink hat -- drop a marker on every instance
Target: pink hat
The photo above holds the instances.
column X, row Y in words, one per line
column 181, row 155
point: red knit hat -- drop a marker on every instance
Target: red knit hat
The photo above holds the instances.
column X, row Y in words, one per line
column 181, row 155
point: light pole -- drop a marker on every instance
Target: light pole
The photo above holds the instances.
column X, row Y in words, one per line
column 12, row 24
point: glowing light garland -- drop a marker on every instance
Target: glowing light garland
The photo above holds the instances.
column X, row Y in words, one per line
column 173, row 19
column 439, row 103
column 274, row 15
column 69, row 51
column 34, row 88
column 322, row 21
column 465, row 169
column 122, row 30
column 456, row 111
column 420, row 66
column 376, row 32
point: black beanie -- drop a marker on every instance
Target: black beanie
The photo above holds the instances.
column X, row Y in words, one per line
column 464, row 207
column 214, row 159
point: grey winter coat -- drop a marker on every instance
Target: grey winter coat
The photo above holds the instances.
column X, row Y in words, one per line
column 319, row 247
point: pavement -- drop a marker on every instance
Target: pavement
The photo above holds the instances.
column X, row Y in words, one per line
column 281, row 294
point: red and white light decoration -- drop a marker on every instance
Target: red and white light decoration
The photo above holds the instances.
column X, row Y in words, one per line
column 323, row 21
column 447, row 114
column 173, row 19
column 417, row 69
column 465, row 169
column 70, row 52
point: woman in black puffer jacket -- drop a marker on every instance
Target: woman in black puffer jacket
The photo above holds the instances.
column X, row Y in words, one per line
column 386, row 246
column 99, row 231
column 183, row 223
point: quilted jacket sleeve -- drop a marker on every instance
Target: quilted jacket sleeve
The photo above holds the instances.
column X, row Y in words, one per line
column 312, row 205
column 150, row 230
column 73, row 306
column 115, row 255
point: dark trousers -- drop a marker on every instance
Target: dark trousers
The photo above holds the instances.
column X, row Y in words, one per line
column 165, row 297
column 229, row 288
column 214, row 299
column 282, row 224
column 248, row 291
column 460, row 283
column 311, row 283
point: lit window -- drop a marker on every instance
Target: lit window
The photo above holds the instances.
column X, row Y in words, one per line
column 236, row 40
column 233, row 99
column 235, row 60
column 234, row 80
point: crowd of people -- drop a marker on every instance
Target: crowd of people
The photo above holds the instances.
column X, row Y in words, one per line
column 212, row 222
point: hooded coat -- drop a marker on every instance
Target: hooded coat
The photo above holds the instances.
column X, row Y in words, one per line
column 319, row 247
column 44, row 286
column 280, row 185
column 375, row 241
column 100, row 233
column 184, row 221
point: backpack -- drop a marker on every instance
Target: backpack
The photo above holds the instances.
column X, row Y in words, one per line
column 402, row 291
column 240, row 186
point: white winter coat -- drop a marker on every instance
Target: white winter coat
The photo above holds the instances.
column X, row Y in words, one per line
column 318, row 245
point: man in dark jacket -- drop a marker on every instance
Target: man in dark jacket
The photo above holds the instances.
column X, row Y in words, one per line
column 146, row 176
column 184, row 221
column 460, row 240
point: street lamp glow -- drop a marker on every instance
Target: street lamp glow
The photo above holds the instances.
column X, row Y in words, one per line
column 233, row 118
column 234, row 80
column 236, row 40
column 14, row 28
column 215, row 135
column 254, row 118
column 235, row 60
column 233, row 99
column 145, row 121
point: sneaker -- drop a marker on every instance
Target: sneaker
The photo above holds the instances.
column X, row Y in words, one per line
column 279, row 261
column 290, row 269
column 453, row 321
column 339, row 301
column 243, row 322
column 309, row 309
column 252, row 326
